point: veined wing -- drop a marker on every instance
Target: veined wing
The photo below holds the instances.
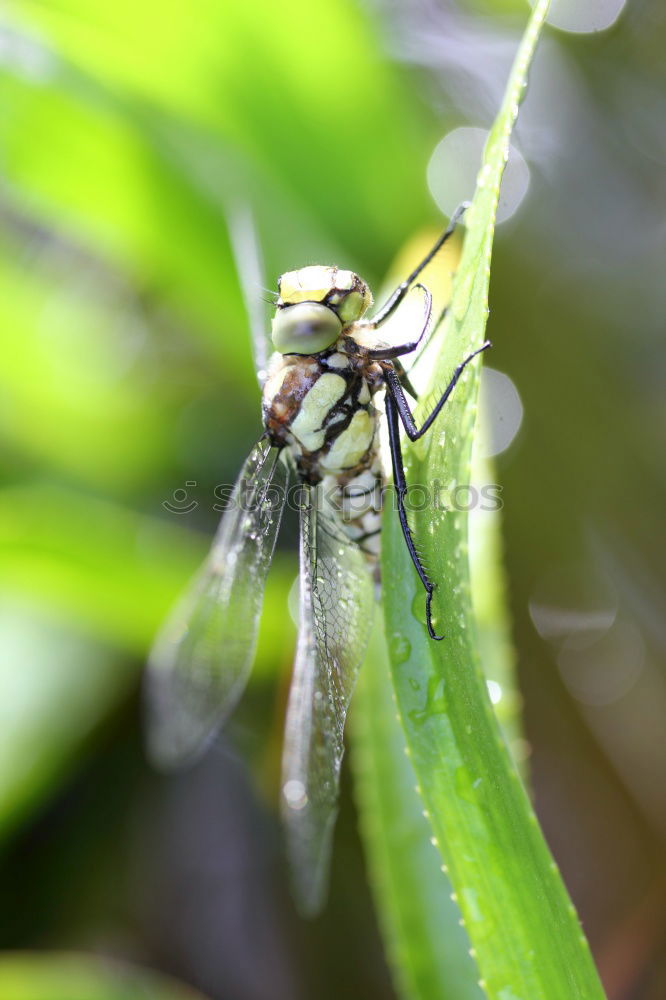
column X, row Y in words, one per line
column 200, row 661
column 336, row 607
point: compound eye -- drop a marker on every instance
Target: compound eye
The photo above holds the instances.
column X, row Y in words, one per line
column 305, row 328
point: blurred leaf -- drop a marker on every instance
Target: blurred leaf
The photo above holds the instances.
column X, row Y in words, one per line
column 103, row 181
column 489, row 603
column 111, row 570
column 526, row 938
column 60, row 976
column 426, row 946
column 84, row 582
column 55, row 688
column 315, row 78
column 77, row 394
column 144, row 163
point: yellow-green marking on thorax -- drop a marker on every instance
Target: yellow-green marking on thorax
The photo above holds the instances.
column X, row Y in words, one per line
column 307, row 426
column 351, row 445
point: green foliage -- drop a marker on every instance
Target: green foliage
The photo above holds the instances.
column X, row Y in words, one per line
column 422, row 925
column 523, row 929
column 78, row 977
column 128, row 134
column 427, row 947
column 128, row 138
column 171, row 141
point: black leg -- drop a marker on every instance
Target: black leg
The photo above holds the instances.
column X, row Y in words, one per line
column 404, row 379
column 433, row 330
column 398, row 295
column 402, row 406
column 388, row 353
column 391, row 353
column 400, row 483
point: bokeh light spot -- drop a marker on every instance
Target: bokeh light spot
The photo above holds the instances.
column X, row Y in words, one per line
column 573, row 602
column 592, row 15
column 502, row 411
column 455, row 163
column 603, row 672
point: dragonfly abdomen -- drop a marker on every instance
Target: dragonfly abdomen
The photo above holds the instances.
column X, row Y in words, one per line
column 357, row 500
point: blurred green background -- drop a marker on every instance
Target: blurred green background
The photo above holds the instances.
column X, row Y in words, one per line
column 130, row 136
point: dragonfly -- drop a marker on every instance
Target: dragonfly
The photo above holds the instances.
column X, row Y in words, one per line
column 321, row 391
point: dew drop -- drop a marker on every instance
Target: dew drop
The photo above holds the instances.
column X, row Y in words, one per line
column 400, row 647
column 436, row 702
column 294, row 794
column 495, row 691
column 484, row 175
column 418, row 607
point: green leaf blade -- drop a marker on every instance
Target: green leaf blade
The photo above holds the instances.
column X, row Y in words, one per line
column 524, row 931
column 427, row 948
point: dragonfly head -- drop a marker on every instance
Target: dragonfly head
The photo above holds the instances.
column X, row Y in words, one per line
column 314, row 305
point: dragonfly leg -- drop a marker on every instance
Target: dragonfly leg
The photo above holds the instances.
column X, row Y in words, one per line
column 404, row 379
column 400, row 483
column 397, row 351
column 395, row 392
column 398, row 295
column 389, row 353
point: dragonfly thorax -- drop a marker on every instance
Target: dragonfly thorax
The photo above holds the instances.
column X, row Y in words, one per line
column 321, row 408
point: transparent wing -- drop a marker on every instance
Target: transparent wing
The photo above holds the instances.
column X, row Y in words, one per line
column 250, row 268
column 336, row 607
column 200, row 661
